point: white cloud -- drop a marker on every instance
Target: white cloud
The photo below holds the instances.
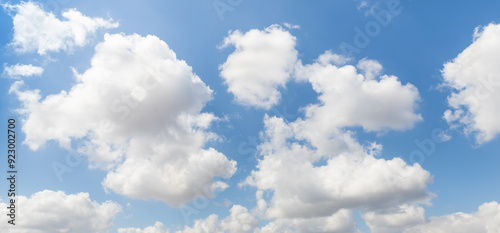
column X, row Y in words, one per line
column 262, row 63
column 307, row 183
column 362, row 4
column 395, row 219
column 411, row 219
column 239, row 221
column 313, row 168
column 49, row 211
column 368, row 7
column 474, row 76
column 17, row 70
column 40, row 31
column 340, row 222
column 485, row 220
column 210, row 224
column 329, row 57
column 291, row 26
column 351, row 99
column 370, row 68
column 157, row 228
column 137, row 110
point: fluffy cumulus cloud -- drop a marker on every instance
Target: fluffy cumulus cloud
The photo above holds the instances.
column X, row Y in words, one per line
column 314, row 170
column 485, row 220
column 262, row 63
column 157, row 228
column 306, row 183
column 341, row 222
column 40, row 31
column 18, row 70
column 370, row 68
column 136, row 112
column 351, row 97
column 474, row 77
column 395, row 219
column 49, row 211
column 239, row 221
column 339, row 60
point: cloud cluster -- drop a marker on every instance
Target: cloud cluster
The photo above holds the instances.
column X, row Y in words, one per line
column 50, row 211
column 306, row 183
column 262, row 63
column 137, row 111
column 239, row 221
column 411, row 219
column 341, row 222
column 265, row 60
column 157, row 228
column 354, row 98
column 485, row 220
column 474, row 77
column 394, row 219
column 314, row 169
column 18, row 70
column 40, row 31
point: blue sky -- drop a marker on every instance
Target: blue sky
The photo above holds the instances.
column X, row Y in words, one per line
column 260, row 107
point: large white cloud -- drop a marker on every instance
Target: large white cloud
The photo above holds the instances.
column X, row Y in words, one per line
column 157, row 228
column 40, row 31
column 352, row 98
column 474, row 76
column 239, row 221
column 138, row 111
column 307, row 183
column 411, row 219
column 340, row 222
column 262, row 63
column 49, row 211
column 394, row 219
column 18, row 70
column 349, row 98
column 485, row 220
column 313, row 168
